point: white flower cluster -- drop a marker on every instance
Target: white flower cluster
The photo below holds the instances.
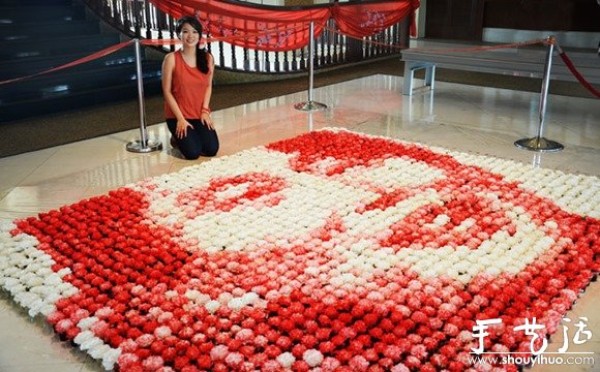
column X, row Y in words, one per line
column 93, row 345
column 576, row 193
column 302, row 206
column 26, row 272
column 225, row 299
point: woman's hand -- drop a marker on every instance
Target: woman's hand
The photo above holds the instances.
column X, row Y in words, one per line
column 207, row 120
column 182, row 126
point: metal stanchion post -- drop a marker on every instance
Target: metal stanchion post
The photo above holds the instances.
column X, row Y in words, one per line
column 540, row 143
column 310, row 105
column 143, row 145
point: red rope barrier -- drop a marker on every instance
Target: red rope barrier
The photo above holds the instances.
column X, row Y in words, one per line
column 91, row 57
column 577, row 74
column 160, row 42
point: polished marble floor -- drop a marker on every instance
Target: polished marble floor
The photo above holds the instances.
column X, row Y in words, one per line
column 459, row 117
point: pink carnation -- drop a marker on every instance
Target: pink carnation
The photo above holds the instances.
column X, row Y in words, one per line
column 152, row 363
column 100, row 328
column 413, row 362
column 128, row 346
column 165, row 317
column 261, row 341
column 271, row 366
column 375, row 296
column 162, row 332
column 64, row 325
column 145, row 340
column 415, row 285
column 569, row 295
column 358, row 363
column 219, row 352
column 451, row 329
column 330, row 364
column 419, row 351
column 103, row 312
column 329, row 300
column 138, row 290
column 465, row 336
column 233, row 359
column 436, row 323
column 126, row 360
column 392, row 351
column 55, row 317
column 457, row 301
column 400, row 368
column 79, row 315
column 347, row 332
column 439, row 360
column 155, row 312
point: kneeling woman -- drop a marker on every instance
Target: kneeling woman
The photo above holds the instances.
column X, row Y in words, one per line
column 187, row 86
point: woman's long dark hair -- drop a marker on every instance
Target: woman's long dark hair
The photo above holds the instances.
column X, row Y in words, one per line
column 201, row 54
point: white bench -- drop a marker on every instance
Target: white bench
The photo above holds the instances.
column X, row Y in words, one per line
column 524, row 61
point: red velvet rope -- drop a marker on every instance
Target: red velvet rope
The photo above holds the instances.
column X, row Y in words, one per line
column 578, row 75
column 91, row 57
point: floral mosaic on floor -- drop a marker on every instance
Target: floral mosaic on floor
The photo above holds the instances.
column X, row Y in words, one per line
column 329, row 251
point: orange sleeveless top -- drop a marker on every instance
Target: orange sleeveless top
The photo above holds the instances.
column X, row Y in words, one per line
column 189, row 87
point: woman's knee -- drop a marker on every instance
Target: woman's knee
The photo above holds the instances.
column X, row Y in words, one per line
column 191, row 154
column 211, row 148
column 194, row 154
column 211, row 151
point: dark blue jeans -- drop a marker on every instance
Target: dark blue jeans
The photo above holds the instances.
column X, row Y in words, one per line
column 199, row 141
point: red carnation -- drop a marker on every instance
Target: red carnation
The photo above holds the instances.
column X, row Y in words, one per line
column 371, row 355
column 311, row 326
column 324, row 320
column 338, row 340
column 412, row 362
column 284, row 342
column 370, row 319
column 287, row 325
column 300, row 366
column 298, row 350
column 309, row 341
column 181, row 362
column 326, row 347
column 157, row 346
column 343, row 356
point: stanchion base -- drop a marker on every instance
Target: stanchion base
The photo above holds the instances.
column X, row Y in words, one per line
column 310, row 106
column 539, row 144
column 136, row 146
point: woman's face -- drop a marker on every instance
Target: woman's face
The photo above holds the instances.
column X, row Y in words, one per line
column 189, row 35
